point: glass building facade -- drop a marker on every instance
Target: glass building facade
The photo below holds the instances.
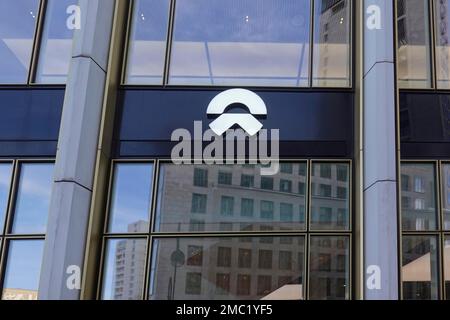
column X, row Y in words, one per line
column 91, row 93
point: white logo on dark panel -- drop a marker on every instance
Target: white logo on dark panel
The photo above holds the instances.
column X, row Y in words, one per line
column 223, row 143
column 226, row 121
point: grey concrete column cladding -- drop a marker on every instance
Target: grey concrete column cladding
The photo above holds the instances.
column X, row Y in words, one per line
column 380, row 162
column 77, row 149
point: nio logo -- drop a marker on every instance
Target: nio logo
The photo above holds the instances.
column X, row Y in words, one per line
column 226, row 121
column 249, row 143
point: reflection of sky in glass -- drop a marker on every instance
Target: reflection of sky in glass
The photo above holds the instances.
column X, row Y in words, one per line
column 56, row 43
column 17, row 25
column 5, row 180
column 33, row 198
column 130, row 196
column 148, row 42
column 242, row 20
column 24, row 264
column 241, row 42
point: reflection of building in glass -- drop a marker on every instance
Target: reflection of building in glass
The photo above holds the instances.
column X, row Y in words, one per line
column 420, row 268
column 413, row 42
column 330, row 197
column 418, row 197
column 229, row 268
column 237, row 198
column 442, row 25
column 248, row 268
column 19, row 294
column 129, row 267
column 230, row 198
column 446, row 196
column 328, row 268
column 332, row 47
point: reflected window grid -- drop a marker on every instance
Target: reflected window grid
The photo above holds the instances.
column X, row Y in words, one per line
column 425, row 230
column 195, row 254
column 24, row 189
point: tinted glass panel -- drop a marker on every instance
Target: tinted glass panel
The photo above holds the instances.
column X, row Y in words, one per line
column 331, row 64
column 447, row 266
column 147, row 48
column 182, row 203
column 23, row 267
column 329, row 268
column 33, row 198
column 124, row 267
column 5, row 182
column 420, row 268
column 249, row 274
column 241, row 42
column 56, row 43
column 17, row 27
column 413, row 43
column 445, row 196
column 419, row 197
column 330, row 199
column 131, row 198
column 442, row 25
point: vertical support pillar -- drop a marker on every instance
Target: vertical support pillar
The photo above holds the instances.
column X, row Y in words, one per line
column 77, row 150
column 380, row 158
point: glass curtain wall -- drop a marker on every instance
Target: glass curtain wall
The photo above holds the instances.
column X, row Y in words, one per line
column 25, row 189
column 290, row 43
column 226, row 232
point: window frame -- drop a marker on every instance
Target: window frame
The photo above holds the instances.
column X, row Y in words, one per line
column 168, row 54
column 152, row 235
column 439, row 233
column 432, row 64
column 35, row 51
column 6, row 236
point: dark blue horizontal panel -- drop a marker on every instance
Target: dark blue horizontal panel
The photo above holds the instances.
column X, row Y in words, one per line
column 316, row 122
column 287, row 149
column 425, row 124
column 15, row 149
column 29, row 121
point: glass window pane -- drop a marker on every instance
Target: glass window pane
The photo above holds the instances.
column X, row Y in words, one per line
column 447, row 266
column 413, row 44
column 182, row 202
column 331, row 64
column 5, row 182
column 420, row 268
column 56, row 43
column 124, row 269
column 17, row 27
column 419, row 201
column 131, row 198
column 147, row 43
column 330, row 200
column 241, row 42
column 446, row 195
column 442, row 25
column 33, row 198
column 233, row 269
column 23, row 268
column 329, row 268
